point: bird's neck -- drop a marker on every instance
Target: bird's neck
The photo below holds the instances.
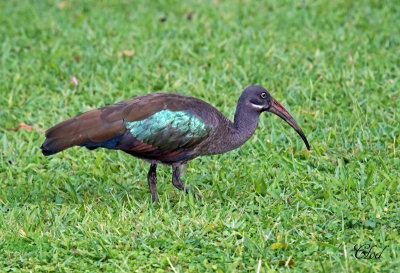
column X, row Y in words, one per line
column 245, row 123
column 232, row 135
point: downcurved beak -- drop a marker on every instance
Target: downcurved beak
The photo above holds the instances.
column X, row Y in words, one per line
column 280, row 111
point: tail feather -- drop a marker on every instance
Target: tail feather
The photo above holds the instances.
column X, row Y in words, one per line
column 87, row 127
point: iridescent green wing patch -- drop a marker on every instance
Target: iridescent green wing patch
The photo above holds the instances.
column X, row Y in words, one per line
column 169, row 130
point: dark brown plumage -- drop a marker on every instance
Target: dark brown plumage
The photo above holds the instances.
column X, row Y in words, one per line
column 165, row 128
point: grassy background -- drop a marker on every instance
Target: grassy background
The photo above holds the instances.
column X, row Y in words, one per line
column 333, row 64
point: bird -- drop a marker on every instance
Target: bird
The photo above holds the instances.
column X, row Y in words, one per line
column 167, row 128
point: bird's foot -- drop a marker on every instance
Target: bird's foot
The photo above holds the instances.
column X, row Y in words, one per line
column 176, row 181
column 196, row 194
column 155, row 198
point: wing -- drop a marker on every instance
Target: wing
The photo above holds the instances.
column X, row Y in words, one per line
column 153, row 126
column 166, row 135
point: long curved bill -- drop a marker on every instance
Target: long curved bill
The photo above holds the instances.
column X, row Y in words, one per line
column 280, row 111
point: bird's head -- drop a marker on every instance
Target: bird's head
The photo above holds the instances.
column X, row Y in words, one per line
column 258, row 99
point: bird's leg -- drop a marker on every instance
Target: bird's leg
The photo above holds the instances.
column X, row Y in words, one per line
column 176, row 181
column 152, row 180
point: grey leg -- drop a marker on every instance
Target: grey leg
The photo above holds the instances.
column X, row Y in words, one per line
column 176, row 181
column 152, row 180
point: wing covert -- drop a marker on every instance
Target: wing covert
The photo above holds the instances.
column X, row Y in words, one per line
column 169, row 130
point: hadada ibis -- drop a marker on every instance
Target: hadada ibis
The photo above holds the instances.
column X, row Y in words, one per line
column 166, row 128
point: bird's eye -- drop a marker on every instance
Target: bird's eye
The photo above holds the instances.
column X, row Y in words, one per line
column 263, row 95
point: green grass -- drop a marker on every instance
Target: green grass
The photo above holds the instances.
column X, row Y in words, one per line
column 333, row 64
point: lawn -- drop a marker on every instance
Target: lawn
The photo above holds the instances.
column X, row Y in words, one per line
column 269, row 205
